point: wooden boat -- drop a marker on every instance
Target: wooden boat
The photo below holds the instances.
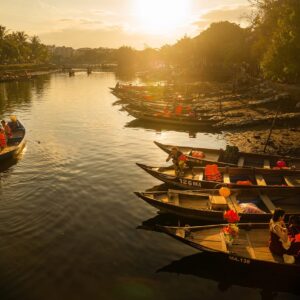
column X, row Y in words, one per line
column 16, row 143
column 249, row 248
column 231, row 177
column 241, row 159
column 159, row 118
column 208, row 205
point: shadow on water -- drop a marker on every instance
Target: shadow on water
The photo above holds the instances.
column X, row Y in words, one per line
column 215, row 267
column 158, row 127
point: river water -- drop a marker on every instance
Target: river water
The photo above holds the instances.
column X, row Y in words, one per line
column 67, row 211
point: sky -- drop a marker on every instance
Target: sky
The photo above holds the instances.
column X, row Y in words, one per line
column 114, row 23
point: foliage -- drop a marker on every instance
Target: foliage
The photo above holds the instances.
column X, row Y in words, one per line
column 276, row 27
column 18, row 48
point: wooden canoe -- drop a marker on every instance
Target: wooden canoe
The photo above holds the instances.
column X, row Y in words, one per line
column 208, row 205
column 231, row 177
column 249, row 248
column 158, row 118
column 16, row 143
column 243, row 159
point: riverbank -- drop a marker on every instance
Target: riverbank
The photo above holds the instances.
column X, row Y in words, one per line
column 284, row 141
column 25, row 71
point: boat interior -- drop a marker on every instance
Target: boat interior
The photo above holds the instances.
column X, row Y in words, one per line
column 250, row 243
column 14, row 141
column 241, row 176
column 265, row 202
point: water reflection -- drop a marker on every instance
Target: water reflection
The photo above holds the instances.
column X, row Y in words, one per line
column 227, row 274
column 159, row 127
column 17, row 95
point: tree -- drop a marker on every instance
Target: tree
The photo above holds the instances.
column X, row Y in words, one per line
column 276, row 27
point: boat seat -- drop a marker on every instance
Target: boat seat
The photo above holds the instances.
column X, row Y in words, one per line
column 291, row 181
column 267, row 164
column 241, row 161
column 200, row 176
column 226, row 178
column 223, row 243
column 267, row 202
column 232, row 200
column 260, row 180
column 217, row 202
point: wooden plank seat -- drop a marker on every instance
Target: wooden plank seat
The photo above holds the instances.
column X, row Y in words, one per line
column 241, row 161
column 267, row 164
column 218, row 202
column 223, row 243
column 292, row 181
column 200, row 176
column 267, row 202
column 233, row 204
column 226, row 178
column 260, row 180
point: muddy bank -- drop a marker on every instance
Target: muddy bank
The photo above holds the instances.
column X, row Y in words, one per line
column 285, row 141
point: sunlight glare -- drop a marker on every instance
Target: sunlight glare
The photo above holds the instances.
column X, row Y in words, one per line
column 161, row 16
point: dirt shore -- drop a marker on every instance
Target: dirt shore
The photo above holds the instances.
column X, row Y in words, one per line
column 283, row 141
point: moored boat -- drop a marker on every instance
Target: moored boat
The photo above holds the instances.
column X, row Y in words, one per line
column 252, row 205
column 250, row 247
column 16, row 143
column 231, row 158
column 161, row 118
column 197, row 177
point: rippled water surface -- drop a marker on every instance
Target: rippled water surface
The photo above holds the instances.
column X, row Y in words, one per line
column 67, row 210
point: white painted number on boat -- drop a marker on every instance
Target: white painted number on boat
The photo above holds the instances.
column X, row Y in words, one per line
column 190, row 182
column 240, row 259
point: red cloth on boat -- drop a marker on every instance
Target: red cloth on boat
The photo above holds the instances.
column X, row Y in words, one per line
column 182, row 157
column 212, row 173
column 178, row 109
column 244, row 182
column 281, row 164
column 198, row 154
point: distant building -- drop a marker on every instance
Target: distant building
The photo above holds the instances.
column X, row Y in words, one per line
column 65, row 52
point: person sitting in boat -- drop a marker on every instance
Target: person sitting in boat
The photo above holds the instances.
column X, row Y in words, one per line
column 280, row 243
column 7, row 129
column 293, row 226
column 14, row 123
column 179, row 160
column 3, row 143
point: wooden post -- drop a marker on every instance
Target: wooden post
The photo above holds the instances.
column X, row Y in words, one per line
column 271, row 129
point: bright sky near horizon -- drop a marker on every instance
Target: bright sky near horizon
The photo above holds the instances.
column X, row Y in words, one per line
column 113, row 23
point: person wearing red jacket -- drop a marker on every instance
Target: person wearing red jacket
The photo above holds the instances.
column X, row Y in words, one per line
column 3, row 143
column 7, row 129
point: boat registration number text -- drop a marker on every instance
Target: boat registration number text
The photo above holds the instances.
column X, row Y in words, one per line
column 240, row 259
column 189, row 182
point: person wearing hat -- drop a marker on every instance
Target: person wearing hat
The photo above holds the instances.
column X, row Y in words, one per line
column 179, row 160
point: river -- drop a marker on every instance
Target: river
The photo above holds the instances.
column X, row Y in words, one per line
column 67, row 210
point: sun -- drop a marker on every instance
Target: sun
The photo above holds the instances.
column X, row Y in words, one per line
column 161, row 16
